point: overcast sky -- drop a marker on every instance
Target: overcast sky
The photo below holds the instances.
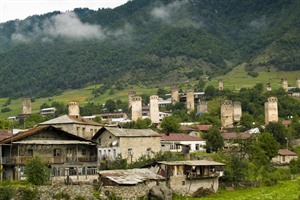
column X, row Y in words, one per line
column 20, row 9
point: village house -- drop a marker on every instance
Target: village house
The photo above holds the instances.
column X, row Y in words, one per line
column 284, row 156
column 73, row 123
column 69, row 157
column 186, row 177
column 179, row 142
column 129, row 143
column 233, row 139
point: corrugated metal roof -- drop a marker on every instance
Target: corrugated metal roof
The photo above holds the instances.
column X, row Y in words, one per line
column 130, row 176
column 5, row 134
column 193, row 163
column 67, row 119
column 233, row 135
column 179, row 137
column 121, row 132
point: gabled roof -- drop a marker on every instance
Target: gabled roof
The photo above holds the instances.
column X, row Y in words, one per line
column 122, row 132
column 286, row 152
column 68, row 119
column 187, row 128
column 5, row 134
column 179, row 137
column 36, row 130
column 130, row 176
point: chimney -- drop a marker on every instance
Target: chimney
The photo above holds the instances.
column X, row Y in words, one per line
column 74, row 109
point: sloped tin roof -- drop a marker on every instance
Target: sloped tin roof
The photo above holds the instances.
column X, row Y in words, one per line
column 67, row 119
column 179, row 137
column 121, row 132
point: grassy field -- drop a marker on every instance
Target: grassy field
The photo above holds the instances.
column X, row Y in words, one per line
column 234, row 80
column 288, row 190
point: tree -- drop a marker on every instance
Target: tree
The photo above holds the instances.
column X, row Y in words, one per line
column 210, row 92
column 278, row 131
column 170, row 124
column 267, row 142
column 142, row 123
column 36, row 171
column 214, row 140
column 110, row 105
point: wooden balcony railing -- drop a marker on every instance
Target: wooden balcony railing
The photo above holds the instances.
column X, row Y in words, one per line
column 50, row 160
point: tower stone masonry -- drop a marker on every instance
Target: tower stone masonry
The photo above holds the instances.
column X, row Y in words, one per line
column 226, row 113
column 202, row 107
column 136, row 108
column 190, row 102
column 284, row 84
column 237, row 111
column 26, row 106
column 174, row 95
column 220, row 85
column 74, row 108
column 154, row 110
column 271, row 110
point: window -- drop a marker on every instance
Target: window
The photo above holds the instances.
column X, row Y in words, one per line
column 30, row 152
column 130, row 152
column 83, row 152
column 114, row 153
column 197, row 147
column 57, row 152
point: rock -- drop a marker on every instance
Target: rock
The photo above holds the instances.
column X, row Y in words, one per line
column 160, row 192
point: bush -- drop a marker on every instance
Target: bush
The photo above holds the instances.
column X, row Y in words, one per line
column 6, row 193
column 79, row 197
column 27, row 193
column 62, row 195
column 36, row 171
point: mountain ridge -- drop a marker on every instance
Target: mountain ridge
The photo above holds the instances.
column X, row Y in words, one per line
column 145, row 42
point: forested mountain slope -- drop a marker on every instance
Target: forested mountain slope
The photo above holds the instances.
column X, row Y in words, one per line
column 148, row 42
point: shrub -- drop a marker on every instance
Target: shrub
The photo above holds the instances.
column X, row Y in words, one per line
column 27, row 193
column 62, row 195
column 36, row 171
column 6, row 193
column 79, row 197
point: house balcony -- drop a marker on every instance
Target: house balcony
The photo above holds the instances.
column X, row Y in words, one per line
column 21, row 160
column 194, row 175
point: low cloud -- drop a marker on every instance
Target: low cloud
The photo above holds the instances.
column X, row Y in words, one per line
column 69, row 25
column 169, row 14
column 65, row 25
column 259, row 23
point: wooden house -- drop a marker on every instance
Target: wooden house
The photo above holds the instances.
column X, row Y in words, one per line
column 66, row 154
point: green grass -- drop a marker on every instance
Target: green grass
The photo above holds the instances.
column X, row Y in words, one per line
column 287, row 190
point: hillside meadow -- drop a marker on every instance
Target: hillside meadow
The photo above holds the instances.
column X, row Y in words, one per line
column 287, row 190
column 235, row 80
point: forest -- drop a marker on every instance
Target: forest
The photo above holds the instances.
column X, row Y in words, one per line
column 144, row 42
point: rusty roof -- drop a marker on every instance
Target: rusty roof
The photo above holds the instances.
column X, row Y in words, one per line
column 204, row 127
column 122, row 132
column 35, row 130
column 179, row 137
column 5, row 134
column 130, row 176
column 68, row 119
column 286, row 152
column 286, row 122
column 187, row 128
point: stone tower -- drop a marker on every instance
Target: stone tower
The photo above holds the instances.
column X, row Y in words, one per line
column 26, row 106
column 226, row 113
column 202, row 107
column 174, row 95
column 136, row 108
column 130, row 95
column 74, row 108
column 190, row 102
column 220, row 85
column 271, row 110
column 284, row 84
column 154, row 110
column 237, row 111
column 298, row 83
column 269, row 88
